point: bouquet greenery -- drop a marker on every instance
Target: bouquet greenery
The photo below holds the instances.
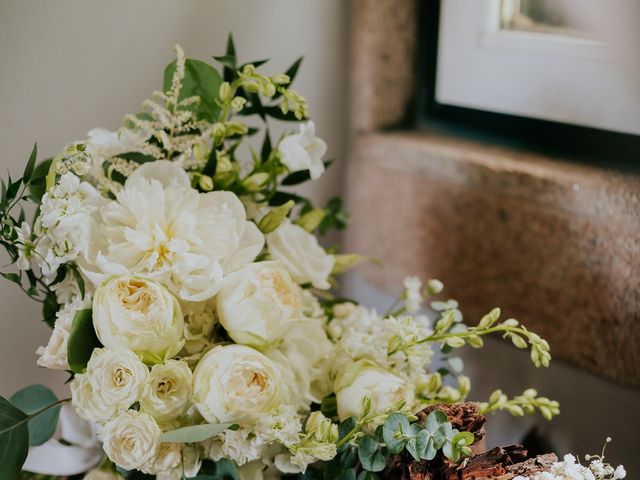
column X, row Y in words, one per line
column 191, row 304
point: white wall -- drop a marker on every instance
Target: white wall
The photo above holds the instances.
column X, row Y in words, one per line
column 69, row 65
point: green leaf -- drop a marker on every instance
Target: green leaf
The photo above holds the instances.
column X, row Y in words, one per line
column 371, row 455
column 221, row 470
column 136, row 157
column 31, row 400
column 38, row 183
column 280, row 198
column 12, row 277
column 28, row 170
column 200, row 79
column 301, row 176
column 49, row 309
column 14, row 439
column 12, row 189
column 291, row 72
column 366, row 475
column 196, row 433
column 396, row 423
column 212, row 163
column 79, row 280
column 82, row 341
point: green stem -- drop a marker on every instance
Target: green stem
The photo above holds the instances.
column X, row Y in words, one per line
column 472, row 332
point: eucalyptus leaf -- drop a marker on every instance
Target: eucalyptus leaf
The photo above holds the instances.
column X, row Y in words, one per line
column 82, row 341
column 371, row 454
column 221, row 470
column 14, row 439
column 196, row 433
column 396, row 423
column 31, row 400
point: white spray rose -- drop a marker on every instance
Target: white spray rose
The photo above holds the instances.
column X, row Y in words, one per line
column 301, row 254
column 131, row 440
column 234, row 383
column 303, row 151
column 166, row 462
column 140, row 315
column 114, row 380
column 199, row 320
column 363, row 379
column 168, row 391
column 162, row 228
column 256, row 304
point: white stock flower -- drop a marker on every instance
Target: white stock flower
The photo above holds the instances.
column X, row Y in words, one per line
column 241, row 446
column 234, row 383
column 140, row 315
column 301, row 254
column 54, row 355
column 413, row 294
column 303, row 151
column 161, row 228
column 363, row 379
column 168, row 391
column 114, row 380
column 131, row 440
column 64, row 225
column 25, row 246
column 257, row 303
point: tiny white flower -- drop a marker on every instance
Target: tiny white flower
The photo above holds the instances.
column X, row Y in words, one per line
column 413, row 294
column 25, row 246
column 303, row 151
column 619, row 472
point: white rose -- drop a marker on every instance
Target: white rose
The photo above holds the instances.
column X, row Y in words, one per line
column 131, row 440
column 256, row 304
column 168, row 391
column 363, row 379
column 140, row 315
column 97, row 474
column 234, row 383
column 301, row 254
column 54, row 355
column 303, row 151
column 114, row 380
column 169, row 457
column 199, row 320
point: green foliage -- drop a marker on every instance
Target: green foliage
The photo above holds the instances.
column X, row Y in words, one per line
column 527, row 403
column 31, row 400
column 14, row 439
column 82, row 341
column 221, row 470
column 196, row 433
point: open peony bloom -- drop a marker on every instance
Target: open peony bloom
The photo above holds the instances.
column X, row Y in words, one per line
column 161, row 228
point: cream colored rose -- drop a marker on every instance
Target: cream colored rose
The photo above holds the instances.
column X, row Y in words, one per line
column 234, row 383
column 256, row 304
column 131, row 440
column 363, row 379
column 168, row 392
column 199, row 320
column 166, row 462
column 140, row 315
column 301, row 254
column 114, row 380
column 97, row 474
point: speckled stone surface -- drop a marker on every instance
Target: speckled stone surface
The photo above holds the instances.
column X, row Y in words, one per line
column 554, row 244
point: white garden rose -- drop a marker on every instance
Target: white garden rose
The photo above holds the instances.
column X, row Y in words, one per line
column 301, row 254
column 131, row 440
column 168, row 391
column 199, row 320
column 234, row 383
column 114, row 380
column 303, row 151
column 97, row 474
column 166, row 462
column 140, row 315
column 364, row 379
column 257, row 304
column 161, row 228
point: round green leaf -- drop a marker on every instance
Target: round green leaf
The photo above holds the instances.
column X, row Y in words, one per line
column 82, row 341
column 395, row 423
column 14, row 439
column 371, row 455
column 31, row 400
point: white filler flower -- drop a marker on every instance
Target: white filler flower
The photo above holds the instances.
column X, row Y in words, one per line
column 234, row 383
column 162, row 228
column 303, row 151
column 140, row 315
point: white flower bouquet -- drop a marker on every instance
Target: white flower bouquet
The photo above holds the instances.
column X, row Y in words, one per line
column 191, row 302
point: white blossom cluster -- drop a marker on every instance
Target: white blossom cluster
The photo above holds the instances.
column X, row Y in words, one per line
column 570, row 469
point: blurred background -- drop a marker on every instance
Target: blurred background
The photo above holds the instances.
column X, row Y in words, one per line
column 490, row 143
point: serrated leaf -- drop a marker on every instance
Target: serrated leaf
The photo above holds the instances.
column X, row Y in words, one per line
column 32, row 399
column 82, row 341
column 14, row 439
column 196, row 433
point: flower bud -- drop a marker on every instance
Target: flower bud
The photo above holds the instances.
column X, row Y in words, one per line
column 205, row 182
column 255, row 182
column 275, row 217
column 224, row 92
column 281, row 79
column 310, row 220
column 237, row 104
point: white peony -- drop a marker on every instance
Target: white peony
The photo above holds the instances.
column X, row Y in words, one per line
column 162, row 228
column 131, row 440
column 303, row 151
column 257, row 304
column 363, row 379
column 168, row 391
column 301, row 254
column 234, row 383
column 114, row 380
column 140, row 315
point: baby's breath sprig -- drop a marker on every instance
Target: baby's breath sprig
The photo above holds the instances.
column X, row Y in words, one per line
column 527, row 403
column 472, row 336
